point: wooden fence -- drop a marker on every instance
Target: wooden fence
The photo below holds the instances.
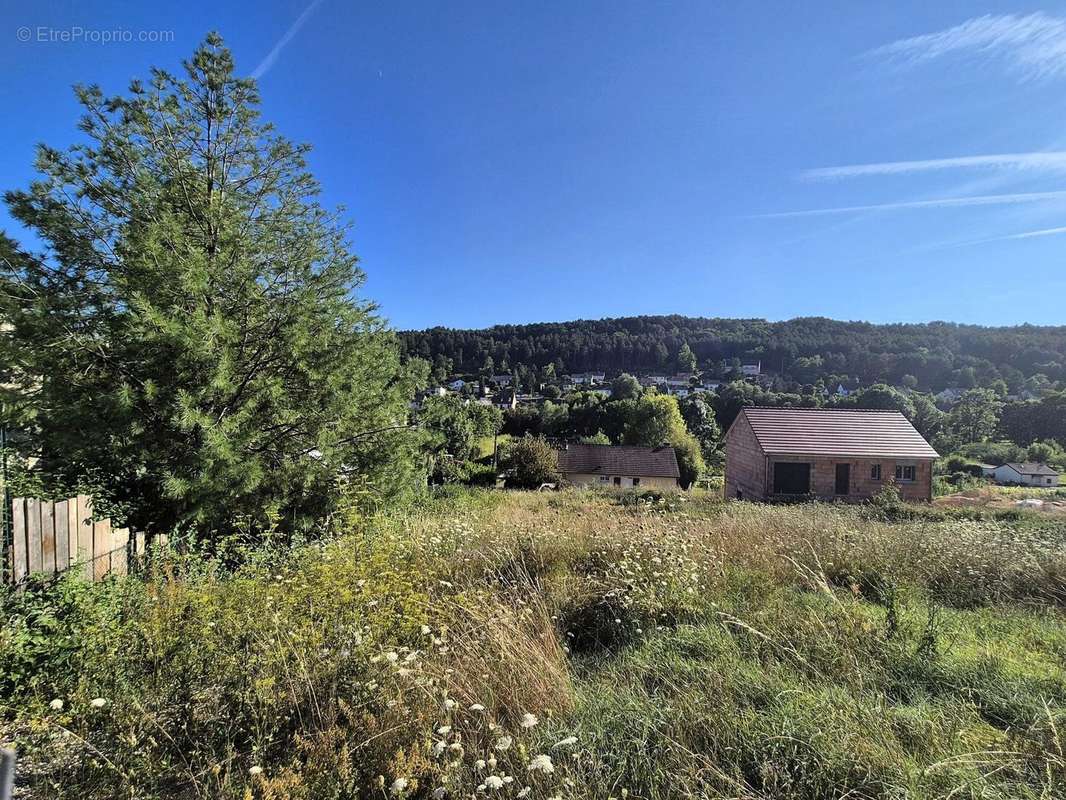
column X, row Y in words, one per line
column 50, row 537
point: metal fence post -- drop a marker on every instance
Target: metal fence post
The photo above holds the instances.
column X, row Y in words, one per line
column 7, row 774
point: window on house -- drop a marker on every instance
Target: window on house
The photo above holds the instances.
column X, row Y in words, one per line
column 605, row 478
column 617, row 481
column 906, row 472
column 636, row 481
column 1049, row 481
column 875, row 472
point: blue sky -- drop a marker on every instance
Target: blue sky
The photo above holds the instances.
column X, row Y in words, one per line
column 516, row 162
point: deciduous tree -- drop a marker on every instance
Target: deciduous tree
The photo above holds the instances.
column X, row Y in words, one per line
column 529, row 462
column 975, row 417
column 625, row 387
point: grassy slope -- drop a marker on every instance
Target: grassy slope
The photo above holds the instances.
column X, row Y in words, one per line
column 693, row 649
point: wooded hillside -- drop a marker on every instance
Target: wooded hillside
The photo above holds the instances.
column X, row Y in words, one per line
column 936, row 354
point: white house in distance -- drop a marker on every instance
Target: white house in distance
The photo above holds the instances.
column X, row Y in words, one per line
column 751, row 370
column 949, row 396
column 1027, row 474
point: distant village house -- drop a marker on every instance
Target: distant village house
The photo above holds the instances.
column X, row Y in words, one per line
column 830, row 454
column 617, row 466
column 1025, row 474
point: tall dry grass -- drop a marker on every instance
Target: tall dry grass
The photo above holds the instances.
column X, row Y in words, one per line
column 669, row 648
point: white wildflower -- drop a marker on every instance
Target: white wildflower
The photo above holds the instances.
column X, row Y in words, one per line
column 449, row 704
column 525, row 792
column 98, row 702
column 439, row 793
column 426, row 630
column 477, row 707
column 503, row 743
column 529, row 721
column 494, row 782
column 479, row 764
column 444, row 730
column 439, row 748
column 392, row 658
column 542, row 763
column 398, row 786
column 56, row 705
column 256, row 770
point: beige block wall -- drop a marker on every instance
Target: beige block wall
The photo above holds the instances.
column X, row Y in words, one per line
column 646, row 482
column 862, row 486
column 745, row 463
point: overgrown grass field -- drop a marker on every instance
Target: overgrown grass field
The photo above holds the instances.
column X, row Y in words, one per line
column 570, row 645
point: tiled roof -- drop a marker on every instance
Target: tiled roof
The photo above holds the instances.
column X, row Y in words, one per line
column 1031, row 468
column 640, row 462
column 836, row 432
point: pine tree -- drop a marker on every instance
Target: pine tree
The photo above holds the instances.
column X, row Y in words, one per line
column 192, row 330
column 686, row 359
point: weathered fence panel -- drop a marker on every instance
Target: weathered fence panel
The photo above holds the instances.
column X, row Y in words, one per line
column 62, row 523
column 84, row 517
column 33, row 535
column 50, row 537
column 20, row 566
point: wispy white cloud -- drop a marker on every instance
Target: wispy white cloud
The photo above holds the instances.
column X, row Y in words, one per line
column 272, row 56
column 1026, row 235
column 943, row 202
column 1036, row 162
column 1032, row 46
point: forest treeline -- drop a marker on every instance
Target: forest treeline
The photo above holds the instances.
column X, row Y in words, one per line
column 930, row 356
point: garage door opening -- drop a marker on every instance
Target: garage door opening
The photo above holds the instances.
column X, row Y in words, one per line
column 792, row 478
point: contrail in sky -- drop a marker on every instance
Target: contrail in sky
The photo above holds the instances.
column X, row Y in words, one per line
column 1050, row 161
column 945, row 202
column 272, row 56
